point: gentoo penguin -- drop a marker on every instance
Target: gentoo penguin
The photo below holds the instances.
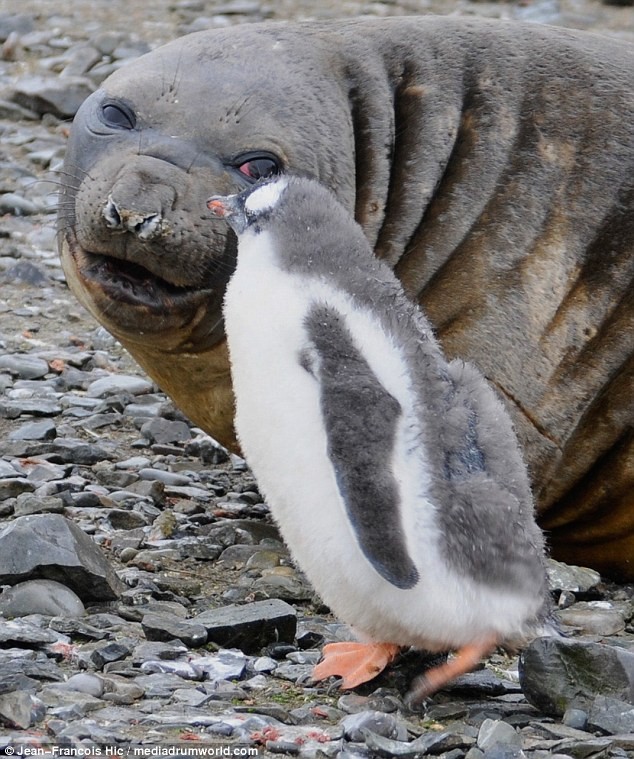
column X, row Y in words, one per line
column 394, row 475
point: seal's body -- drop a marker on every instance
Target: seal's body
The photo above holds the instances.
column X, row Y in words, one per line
column 394, row 475
column 490, row 164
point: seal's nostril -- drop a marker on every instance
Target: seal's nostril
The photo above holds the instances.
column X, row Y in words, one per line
column 146, row 226
column 111, row 214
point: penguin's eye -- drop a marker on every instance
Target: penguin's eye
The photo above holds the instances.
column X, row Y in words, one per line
column 258, row 166
column 118, row 116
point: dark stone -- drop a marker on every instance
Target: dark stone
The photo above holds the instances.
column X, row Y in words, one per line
column 252, row 626
column 30, row 407
column 24, row 635
column 24, row 272
column 610, row 715
column 60, row 96
column 19, row 709
column 35, row 431
column 556, row 674
column 49, row 546
column 27, row 504
column 24, row 366
column 109, row 653
column 79, row 452
column 167, row 627
column 163, row 431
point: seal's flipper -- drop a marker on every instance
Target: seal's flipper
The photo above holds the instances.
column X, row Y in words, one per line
column 360, row 418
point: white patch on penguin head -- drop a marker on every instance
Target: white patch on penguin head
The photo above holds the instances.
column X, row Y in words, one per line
column 265, row 197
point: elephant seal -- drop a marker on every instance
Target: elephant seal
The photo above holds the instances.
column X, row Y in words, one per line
column 489, row 163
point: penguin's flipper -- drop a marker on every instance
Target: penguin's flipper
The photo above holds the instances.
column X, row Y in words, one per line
column 360, row 419
column 355, row 662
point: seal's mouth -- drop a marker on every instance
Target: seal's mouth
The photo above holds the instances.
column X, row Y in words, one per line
column 131, row 300
column 130, row 283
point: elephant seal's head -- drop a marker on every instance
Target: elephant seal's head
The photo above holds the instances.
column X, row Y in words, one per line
column 138, row 246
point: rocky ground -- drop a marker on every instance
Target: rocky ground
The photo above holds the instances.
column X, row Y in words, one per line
column 167, row 612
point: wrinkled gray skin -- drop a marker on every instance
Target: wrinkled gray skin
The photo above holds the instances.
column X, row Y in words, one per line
column 490, row 164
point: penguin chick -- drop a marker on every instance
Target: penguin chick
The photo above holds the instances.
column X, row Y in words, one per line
column 394, row 475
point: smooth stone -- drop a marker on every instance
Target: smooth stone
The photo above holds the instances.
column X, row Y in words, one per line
column 118, row 383
column 591, row 619
column 252, row 626
column 166, row 627
column 24, row 366
column 227, row 664
column 355, row 726
column 496, row 731
column 559, row 673
column 168, row 478
column 53, row 546
column 575, row 718
column 40, row 597
column 85, row 682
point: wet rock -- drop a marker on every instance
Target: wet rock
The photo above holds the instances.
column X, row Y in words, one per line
column 52, row 547
column 168, row 627
column 40, row 597
column 252, row 626
column 567, row 577
column 557, row 674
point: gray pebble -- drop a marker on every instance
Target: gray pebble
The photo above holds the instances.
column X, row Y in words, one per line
column 24, row 366
column 496, row 731
column 355, row 725
column 118, row 383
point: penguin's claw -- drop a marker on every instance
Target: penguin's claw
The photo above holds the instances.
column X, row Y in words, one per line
column 464, row 660
column 355, row 662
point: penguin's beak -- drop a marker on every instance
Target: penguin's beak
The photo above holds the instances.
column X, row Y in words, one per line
column 230, row 208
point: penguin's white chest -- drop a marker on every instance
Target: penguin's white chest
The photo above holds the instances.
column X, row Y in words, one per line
column 281, row 427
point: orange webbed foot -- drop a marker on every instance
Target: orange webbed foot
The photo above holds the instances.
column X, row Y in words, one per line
column 464, row 660
column 355, row 662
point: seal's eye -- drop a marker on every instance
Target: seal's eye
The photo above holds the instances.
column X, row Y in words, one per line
column 258, row 166
column 118, row 116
